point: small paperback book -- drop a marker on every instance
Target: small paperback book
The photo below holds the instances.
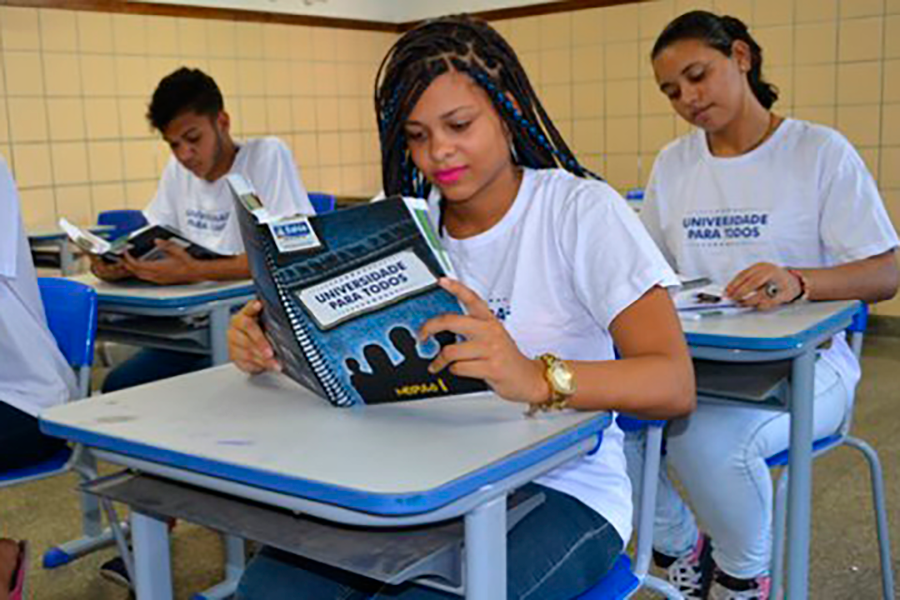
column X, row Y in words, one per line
column 344, row 294
column 699, row 298
column 141, row 244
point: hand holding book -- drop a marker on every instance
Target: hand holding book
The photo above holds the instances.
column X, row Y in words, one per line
column 142, row 244
column 248, row 346
column 487, row 351
column 175, row 265
column 252, row 352
column 172, row 265
column 108, row 271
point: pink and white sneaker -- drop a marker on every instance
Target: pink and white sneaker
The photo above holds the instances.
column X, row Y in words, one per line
column 726, row 587
column 692, row 573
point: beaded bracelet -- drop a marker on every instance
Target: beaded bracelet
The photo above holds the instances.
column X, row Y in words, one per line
column 804, row 285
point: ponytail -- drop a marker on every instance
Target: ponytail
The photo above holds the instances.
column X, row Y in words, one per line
column 720, row 33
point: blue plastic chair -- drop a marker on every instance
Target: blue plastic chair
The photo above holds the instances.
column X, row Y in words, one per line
column 635, row 194
column 123, row 221
column 71, row 310
column 625, row 578
column 635, row 198
column 322, row 203
column 822, row 446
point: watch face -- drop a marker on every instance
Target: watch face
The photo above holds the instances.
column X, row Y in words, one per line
column 563, row 378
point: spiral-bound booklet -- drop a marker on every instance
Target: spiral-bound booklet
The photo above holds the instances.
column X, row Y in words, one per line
column 344, row 294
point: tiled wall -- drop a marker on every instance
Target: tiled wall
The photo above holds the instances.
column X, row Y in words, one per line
column 836, row 62
column 75, row 86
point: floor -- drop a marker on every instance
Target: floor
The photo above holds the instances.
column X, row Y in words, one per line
column 844, row 555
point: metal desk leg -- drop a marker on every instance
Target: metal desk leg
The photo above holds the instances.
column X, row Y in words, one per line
column 219, row 319
column 486, row 551
column 152, row 562
column 235, row 556
column 66, row 257
column 235, row 562
column 800, row 483
column 94, row 536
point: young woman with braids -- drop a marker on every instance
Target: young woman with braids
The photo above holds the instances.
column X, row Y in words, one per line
column 759, row 203
column 549, row 261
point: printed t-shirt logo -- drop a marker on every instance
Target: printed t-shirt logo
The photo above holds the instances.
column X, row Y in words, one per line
column 204, row 220
column 725, row 227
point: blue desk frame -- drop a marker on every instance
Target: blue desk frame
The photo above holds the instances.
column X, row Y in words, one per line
column 214, row 299
column 793, row 332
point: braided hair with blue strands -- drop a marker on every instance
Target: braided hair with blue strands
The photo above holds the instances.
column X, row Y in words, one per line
column 471, row 46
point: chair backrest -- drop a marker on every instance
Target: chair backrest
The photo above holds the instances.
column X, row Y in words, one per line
column 71, row 309
column 635, row 194
column 124, row 221
column 322, row 203
column 635, row 198
column 855, row 333
column 627, row 423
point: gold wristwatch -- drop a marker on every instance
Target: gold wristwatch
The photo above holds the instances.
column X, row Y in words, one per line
column 561, row 379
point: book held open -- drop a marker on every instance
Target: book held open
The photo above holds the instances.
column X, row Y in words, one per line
column 141, row 244
column 345, row 293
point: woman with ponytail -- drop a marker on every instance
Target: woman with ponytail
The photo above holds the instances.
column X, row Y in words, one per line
column 551, row 261
column 777, row 210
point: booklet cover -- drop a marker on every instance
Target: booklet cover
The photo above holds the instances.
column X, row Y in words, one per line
column 141, row 244
column 702, row 297
column 344, row 294
column 698, row 299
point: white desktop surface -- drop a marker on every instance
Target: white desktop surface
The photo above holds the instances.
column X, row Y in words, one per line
column 785, row 327
column 269, row 432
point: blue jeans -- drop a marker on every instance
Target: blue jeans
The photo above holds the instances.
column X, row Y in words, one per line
column 151, row 364
column 557, row 552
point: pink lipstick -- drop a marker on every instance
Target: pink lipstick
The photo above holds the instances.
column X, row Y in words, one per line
column 447, row 176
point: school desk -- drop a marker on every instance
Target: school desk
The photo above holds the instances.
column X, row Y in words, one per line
column 759, row 341
column 189, row 318
column 269, row 440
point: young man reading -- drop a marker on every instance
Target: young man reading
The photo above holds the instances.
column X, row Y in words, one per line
column 193, row 197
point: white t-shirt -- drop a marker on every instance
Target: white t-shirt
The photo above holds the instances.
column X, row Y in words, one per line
column 203, row 210
column 561, row 264
column 33, row 372
column 802, row 199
